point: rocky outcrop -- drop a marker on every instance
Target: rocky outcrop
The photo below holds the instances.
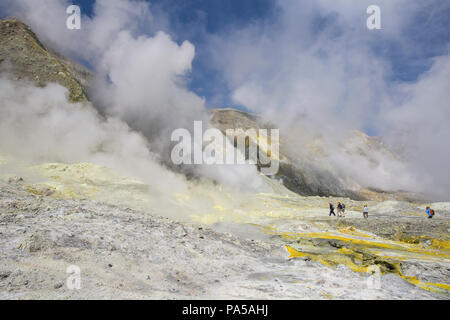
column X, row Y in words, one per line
column 25, row 57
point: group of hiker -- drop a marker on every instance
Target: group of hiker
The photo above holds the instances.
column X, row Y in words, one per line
column 341, row 210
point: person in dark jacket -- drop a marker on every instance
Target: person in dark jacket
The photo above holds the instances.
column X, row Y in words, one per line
column 339, row 209
column 331, row 210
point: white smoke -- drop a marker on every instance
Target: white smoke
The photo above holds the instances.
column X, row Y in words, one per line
column 418, row 125
column 313, row 69
column 145, row 84
column 139, row 78
column 39, row 125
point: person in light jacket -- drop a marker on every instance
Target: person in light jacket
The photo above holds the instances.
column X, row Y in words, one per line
column 366, row 211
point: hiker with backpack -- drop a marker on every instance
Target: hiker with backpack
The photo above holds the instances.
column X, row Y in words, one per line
column 430, row 212
column 339, row 209
column 343, row 209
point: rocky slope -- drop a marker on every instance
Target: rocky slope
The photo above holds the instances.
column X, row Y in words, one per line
column 23, row 55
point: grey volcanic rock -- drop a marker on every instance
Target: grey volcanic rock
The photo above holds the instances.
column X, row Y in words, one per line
column 124, row 253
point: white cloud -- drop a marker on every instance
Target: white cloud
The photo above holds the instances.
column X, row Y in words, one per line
column 419, row 126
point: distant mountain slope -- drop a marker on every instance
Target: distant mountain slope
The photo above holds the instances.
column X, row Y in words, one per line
column 22, row 54
column 299, row 177
column 309, row 171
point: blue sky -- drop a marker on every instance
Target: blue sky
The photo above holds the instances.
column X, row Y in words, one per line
column 214, row 15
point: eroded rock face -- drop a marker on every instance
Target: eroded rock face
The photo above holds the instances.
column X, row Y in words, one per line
column 25, row 57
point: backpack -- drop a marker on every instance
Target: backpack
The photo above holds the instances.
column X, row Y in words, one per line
column 432, row 212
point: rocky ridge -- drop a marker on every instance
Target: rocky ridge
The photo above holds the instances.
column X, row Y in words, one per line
column 25, row 57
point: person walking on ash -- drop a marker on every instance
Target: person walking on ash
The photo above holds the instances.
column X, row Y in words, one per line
column 332, row 210
column 365, row 211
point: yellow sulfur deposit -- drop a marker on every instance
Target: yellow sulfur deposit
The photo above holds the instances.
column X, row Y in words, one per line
column 299, row 224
